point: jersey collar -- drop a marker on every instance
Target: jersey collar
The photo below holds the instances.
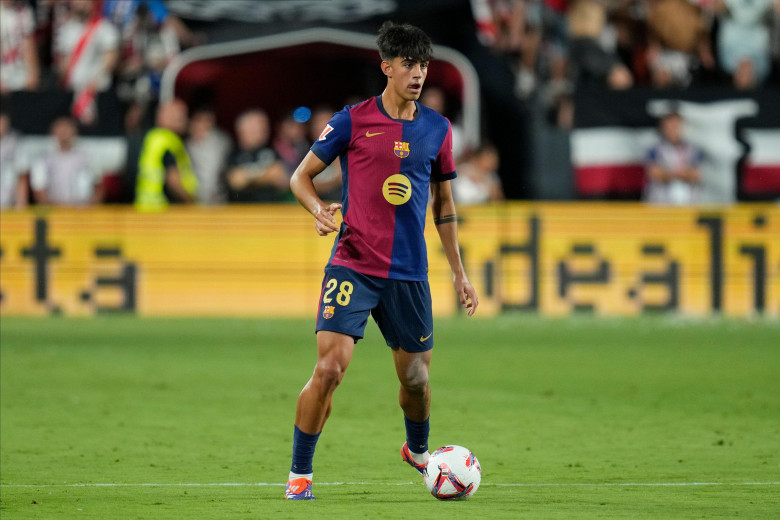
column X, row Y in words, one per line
column 404, row 121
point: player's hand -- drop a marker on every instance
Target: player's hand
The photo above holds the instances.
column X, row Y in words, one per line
column 326, row 223
column 466, row 294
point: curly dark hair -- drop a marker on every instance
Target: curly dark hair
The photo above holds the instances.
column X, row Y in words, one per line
column 404, row 40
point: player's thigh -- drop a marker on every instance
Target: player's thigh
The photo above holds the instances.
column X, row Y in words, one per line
column 405, row 317
column 334, row 352
column 346, row 301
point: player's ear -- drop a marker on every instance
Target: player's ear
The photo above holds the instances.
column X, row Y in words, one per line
column 387, row 68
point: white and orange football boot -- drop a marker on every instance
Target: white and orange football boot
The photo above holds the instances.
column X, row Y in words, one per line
column 407, row 456
column 298, row 489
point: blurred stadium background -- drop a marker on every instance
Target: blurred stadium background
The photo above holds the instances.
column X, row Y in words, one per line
column 522, row 76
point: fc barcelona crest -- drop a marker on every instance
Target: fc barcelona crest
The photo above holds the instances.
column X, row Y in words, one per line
column 328, row 312
column 401, row 149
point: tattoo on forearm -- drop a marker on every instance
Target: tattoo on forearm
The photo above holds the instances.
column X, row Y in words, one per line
column 445, row 219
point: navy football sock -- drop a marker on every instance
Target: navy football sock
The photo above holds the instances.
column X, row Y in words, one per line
column 303, row 451
column 417, row 435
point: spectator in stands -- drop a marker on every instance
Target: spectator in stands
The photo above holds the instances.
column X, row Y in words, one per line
column 509, row 23
column 531, row 29
column 592, row 64
column 149, row 41
column 744, row 40
column 19, row 68
column 208, row 147
column 672, row 167
column 255, row 173
column 478, row 180
column 556, row 94
column 86, row 54
column 65, row 175
column 14, row 181
column 165, row 172
column 291, row 142
column 327, row 183
column 125, row 15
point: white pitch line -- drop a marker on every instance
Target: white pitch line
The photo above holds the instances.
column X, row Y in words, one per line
column 630, row 484
column 495, row 484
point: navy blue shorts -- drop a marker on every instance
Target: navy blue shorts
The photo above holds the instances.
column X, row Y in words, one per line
column 402, row 309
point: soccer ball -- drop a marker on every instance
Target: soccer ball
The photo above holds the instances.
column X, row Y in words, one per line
column 452, row 473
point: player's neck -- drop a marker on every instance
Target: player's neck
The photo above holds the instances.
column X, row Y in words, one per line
column 398, row 107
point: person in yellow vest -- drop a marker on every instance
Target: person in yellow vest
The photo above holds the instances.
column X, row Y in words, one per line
column 165, row 173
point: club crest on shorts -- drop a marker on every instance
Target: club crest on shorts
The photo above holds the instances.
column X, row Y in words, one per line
column 401, row 149
column 328, row 312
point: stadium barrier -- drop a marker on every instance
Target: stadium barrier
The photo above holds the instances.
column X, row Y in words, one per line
column 551, row 258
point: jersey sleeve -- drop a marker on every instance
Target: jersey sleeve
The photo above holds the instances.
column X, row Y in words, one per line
column 444, row 165
column 335, row 137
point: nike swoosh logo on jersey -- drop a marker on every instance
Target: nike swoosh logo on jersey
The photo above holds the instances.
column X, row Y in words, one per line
column 369, row 134
column 423, row 340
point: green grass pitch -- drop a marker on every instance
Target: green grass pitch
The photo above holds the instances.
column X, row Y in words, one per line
column 578, row 418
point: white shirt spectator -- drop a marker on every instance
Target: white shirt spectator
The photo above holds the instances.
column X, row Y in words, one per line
column 209, row 156
column 67, row 177
column 16, row 25
column 89, row 66
column 478, row 180
column 468, row 191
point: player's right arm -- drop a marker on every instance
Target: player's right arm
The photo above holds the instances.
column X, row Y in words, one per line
column 302, row 186
column 333, row 140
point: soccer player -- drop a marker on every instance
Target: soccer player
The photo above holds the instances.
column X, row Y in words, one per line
column 393, row 152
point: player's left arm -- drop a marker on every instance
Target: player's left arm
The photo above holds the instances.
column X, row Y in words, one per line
column 446, row 221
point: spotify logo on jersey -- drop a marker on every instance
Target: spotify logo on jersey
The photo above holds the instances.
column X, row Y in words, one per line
column 397, row 189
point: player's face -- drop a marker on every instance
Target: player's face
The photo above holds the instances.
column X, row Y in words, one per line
column 406, row 76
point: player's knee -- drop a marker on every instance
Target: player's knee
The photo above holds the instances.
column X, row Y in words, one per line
column 416, row 379
column 328, row 374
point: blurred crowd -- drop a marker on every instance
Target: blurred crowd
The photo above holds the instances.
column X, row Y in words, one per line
column 186, row 158
column 178, row 154
column 175, row 154
column 557, row 46
column 88, row 47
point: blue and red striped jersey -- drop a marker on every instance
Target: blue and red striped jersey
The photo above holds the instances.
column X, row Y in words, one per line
column 386, row 167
